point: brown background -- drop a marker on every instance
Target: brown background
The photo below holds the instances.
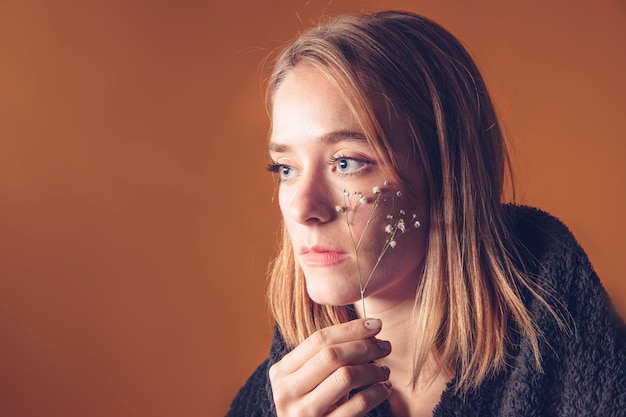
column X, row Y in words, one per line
column 136, row 219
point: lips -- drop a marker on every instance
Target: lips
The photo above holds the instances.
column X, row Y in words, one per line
column 320, row 256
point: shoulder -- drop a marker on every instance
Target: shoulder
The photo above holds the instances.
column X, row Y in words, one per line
column 552, row 255
column 563, row 274
column 540, row 232
column 550, row 252
column 588, row 356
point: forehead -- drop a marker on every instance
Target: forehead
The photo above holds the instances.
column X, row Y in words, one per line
column 308, row 104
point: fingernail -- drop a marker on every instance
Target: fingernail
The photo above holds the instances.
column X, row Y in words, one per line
column 373, row 324
column 384, row 344
column 387, row 384
column 385, row 370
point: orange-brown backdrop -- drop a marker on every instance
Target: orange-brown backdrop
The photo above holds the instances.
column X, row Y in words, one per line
column 136, row 220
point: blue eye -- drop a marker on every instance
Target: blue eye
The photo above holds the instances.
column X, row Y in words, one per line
column 284, row 172
column 349, row 165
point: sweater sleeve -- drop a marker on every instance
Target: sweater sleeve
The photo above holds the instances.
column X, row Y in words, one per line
column 254, row 398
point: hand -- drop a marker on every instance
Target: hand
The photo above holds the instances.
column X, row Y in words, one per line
column 316, row 377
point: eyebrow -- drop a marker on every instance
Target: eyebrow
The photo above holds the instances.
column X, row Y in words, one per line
column 328, row 138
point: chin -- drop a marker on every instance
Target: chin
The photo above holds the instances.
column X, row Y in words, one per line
column 331, row 295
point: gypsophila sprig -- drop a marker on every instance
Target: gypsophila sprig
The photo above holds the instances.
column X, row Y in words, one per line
column 397, row 224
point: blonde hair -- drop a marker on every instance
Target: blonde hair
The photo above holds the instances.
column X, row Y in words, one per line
column 470, row 294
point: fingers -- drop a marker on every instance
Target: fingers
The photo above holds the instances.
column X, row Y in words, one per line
column 363, row 402
column 345, row 332
column 330, row 397
column 330, row 359
column 335, row 388
column 317, row 376
column 326, row 351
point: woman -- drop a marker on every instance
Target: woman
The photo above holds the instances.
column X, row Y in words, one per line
column 403, row 285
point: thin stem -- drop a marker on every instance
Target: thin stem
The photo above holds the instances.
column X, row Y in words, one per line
column 369, row 220
column 363, row 303
column 349, row 207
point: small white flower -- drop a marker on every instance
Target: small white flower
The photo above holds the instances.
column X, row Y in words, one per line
column 417, row 224
column 390, row 216
column 376, row 190
column 346, row 193
column 362, row 199
column 386, row 183
column 399, row 193
column 402, row 212
column 400, row 225
column 392, row 244
column 388, row 228
column 339, row 209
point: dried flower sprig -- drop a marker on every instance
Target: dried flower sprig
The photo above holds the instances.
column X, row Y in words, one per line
column 397, row 223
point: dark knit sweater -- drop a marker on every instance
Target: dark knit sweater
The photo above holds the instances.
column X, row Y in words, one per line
column 584, row 371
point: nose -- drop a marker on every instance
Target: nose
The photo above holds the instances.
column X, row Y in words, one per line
column 313, row 201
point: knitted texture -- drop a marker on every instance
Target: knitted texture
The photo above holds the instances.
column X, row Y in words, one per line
column 584, row 369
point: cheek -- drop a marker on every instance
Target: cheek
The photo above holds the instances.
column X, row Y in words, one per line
column 369, row 224
column 393, row 221
column 284, row 203
column 401, row 259
column 285, row 197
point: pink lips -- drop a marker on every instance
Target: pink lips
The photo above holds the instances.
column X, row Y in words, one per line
column 321, row 256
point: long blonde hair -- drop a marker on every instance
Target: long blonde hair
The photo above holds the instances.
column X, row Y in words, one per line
column 471, row 290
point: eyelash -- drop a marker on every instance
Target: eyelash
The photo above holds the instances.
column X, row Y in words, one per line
column 274, row 168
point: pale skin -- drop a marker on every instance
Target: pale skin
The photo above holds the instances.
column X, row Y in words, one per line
column 317, row 148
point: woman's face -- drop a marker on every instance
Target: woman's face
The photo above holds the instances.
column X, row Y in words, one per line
column 320, row 155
